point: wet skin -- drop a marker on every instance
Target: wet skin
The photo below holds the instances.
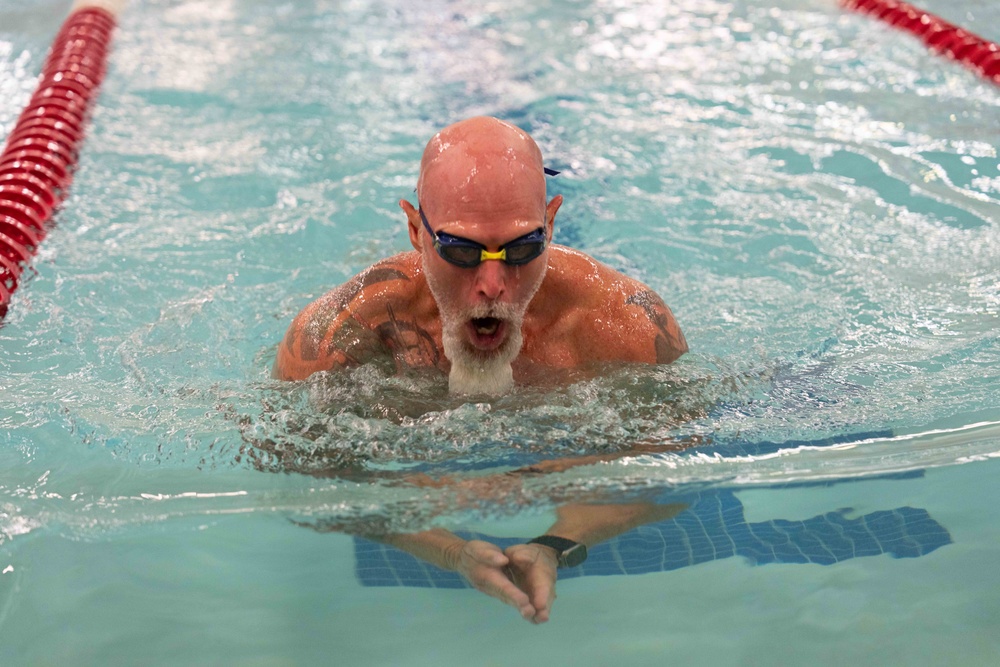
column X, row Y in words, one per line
column 387, row 314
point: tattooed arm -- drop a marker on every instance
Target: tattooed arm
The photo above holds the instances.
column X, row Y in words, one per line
column 628, row 322
column 668, row 341
column 364, row 320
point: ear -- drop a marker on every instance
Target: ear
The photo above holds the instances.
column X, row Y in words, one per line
column 550, row 215
column 412, row 223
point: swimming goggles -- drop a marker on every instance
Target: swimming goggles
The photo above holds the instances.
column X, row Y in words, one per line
column 469, row 254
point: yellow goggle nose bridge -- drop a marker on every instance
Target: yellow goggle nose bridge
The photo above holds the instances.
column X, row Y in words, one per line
column 499, row 255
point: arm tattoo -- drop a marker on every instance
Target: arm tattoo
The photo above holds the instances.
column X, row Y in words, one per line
column 411, row 345
column 668, row 342
column 353, row 343
column 350, row 341
column 373, row 276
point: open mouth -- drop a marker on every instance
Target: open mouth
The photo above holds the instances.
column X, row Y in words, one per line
column 486, row 326
column 487, row 332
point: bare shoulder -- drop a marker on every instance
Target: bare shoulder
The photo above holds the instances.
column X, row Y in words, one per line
column 620, row 318
column 341, row 328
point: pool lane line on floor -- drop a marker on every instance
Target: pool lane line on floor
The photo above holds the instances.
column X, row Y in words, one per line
column 37, row 161
column 957, row 43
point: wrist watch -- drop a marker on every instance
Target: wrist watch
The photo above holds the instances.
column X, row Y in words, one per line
column 570, row 553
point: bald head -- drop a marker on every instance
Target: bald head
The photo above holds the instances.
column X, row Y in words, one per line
column 478, row 165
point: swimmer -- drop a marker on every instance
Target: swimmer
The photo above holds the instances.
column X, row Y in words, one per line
column 488, row 300
column 484, row 296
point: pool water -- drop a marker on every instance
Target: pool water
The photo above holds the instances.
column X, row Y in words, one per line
column 814, row 194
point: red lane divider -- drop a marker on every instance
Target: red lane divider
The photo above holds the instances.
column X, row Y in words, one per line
column 959, row 44
column 36, row 165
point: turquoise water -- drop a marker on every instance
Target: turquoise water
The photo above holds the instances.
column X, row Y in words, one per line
column 813, row 194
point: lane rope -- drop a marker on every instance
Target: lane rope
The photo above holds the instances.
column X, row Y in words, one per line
column 957, row 43
column 38, row 159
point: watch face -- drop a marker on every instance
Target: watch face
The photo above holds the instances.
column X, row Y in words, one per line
column 569, row 553
column 573, row 556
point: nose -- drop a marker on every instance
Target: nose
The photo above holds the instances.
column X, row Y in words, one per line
column 491, row 280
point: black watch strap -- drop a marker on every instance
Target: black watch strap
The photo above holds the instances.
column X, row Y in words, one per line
column 570, row 553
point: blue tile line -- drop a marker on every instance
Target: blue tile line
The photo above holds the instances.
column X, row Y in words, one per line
column 712, row 527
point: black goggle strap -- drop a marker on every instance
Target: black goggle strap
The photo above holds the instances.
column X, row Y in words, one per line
column 427, row 226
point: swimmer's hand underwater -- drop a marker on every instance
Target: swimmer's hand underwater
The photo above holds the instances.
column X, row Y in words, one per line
column 523, row 576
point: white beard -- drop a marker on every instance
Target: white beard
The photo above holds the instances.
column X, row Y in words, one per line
column 474, row 371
